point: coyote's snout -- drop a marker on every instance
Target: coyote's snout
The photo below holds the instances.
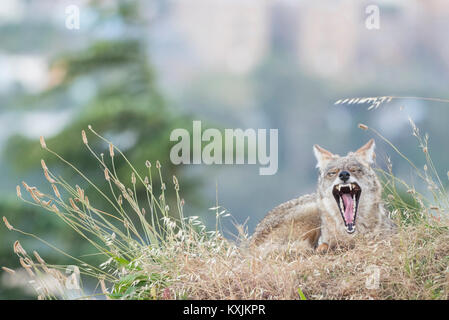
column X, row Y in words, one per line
column 347, row 202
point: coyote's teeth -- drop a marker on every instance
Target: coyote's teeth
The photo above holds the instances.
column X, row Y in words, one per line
column 350, row 187
column 355, row 204
column 341, row 205
column 338, row 187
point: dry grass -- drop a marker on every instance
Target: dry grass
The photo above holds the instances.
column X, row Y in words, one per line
column 411, row 265
column 150, row 254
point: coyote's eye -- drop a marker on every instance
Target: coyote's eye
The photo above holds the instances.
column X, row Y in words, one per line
column 332, row 172
column 355, row 169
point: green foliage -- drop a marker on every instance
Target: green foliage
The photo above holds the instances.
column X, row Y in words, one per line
column 109, row 84
column 301, row 294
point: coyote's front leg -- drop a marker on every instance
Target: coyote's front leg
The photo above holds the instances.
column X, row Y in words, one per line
column 323, row 245
column 322, row 248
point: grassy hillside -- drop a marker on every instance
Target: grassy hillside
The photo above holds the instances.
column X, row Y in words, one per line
column 151, row 253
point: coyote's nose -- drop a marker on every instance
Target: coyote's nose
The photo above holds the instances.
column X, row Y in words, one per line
column 344, row 176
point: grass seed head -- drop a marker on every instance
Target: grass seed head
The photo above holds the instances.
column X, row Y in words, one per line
column 56, row 191
column 106, row 174
column 27, row 267
column 44, row 166
column 363, row 126
column 47, row 176
column 10, row 271
column 84, row 137
column 5, row 221
column 111, row 150
column 18, row 191
column 43, row 144
column 18, row 249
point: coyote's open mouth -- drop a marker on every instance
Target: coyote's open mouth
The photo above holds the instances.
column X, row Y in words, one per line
column 347, row 197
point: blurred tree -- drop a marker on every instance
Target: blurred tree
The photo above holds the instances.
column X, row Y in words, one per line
column 109, row 85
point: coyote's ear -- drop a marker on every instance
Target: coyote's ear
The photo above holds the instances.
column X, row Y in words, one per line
column 367, row 152
column 322, row 156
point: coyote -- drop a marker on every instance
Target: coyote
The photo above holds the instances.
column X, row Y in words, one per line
column 348, row 192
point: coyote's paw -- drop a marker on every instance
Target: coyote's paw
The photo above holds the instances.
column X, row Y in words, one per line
column 322, row 248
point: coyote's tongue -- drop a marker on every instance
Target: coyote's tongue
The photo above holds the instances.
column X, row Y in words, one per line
column 349, row 207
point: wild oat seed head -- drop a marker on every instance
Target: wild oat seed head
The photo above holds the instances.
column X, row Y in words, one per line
column 80, row 192
column 44, row 166
column 27, row 267
column 38, row 257
column 33, row 195
column 10, row 271
column 56, row 191
column 43, row 144
column 18, row 191
column 27, row 187
column 37, row 193
column 158, row 164
column 363, row 126
column 111, row 150
column 106, row 174
column 133, row 178
column 47, row 176
column 18, row 248
column 83, row 135
column 74, row 206
column 10, row 227
column 148, row 164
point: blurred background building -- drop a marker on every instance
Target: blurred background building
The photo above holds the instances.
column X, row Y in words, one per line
column 138, row 69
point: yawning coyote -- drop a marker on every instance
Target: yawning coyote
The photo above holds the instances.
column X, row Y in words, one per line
column 347, row 202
